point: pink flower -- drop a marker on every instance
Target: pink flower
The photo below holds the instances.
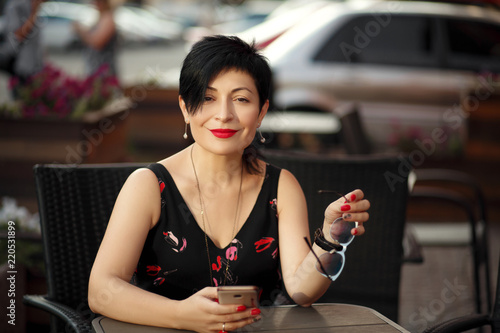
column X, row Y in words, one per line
column 13, row 81
column 51, row 92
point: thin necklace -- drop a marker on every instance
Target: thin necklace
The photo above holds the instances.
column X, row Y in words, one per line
column 202, row 212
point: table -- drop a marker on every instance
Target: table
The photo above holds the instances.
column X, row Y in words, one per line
column 300, row 122
column 320, row 318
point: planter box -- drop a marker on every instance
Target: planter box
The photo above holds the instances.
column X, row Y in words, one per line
column 156, row 123
column 98, row 137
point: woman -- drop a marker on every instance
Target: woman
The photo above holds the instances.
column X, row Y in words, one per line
column 101, row 40
column 213, row 214
column 22, row 46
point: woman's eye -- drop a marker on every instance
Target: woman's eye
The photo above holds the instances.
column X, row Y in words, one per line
column 207, row 98
column 242, row 99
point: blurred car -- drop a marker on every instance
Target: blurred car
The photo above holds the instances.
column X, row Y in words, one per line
column 230, row 19
column 406, row 65
column 281, row 19
column 135, row 25
column 139, row 21
column 56, row 22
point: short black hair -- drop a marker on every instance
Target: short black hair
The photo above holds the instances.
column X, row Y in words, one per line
column 213, row 55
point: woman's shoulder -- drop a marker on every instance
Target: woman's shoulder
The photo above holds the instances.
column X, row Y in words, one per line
column 283, row 174
column 287, row 179
column 142, row 176
column 177, row 167
column 176, row 164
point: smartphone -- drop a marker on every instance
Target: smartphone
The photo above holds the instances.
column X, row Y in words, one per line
column 245, row 295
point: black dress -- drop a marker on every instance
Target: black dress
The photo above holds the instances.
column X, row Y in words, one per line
column 174, row 260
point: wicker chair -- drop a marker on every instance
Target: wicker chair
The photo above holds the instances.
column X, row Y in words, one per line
column 75, row 203
column 372, row 272
column 461, row 191
column 469, row 322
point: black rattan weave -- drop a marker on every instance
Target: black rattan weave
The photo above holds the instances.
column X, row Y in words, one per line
column 75, row 203
column 473, row 321
column 372, row 271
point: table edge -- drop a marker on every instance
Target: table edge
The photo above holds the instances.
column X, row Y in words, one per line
column 96, row 322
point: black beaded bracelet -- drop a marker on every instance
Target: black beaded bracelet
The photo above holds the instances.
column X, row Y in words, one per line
column 319, row 239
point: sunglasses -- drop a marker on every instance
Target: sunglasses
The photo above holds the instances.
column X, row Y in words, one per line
column 332, row 263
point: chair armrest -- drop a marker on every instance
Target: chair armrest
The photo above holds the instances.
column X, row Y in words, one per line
column 454, row 177
column 68, row 315
column 412, row 250
column 460, row 324
column 452, row 197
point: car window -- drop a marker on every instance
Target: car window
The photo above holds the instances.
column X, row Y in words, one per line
column 473, row 45
column 399, row 40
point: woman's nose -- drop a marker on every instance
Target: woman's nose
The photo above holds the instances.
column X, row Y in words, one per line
column 226, row 112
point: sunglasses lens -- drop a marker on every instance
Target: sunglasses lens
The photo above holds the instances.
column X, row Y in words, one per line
column 332, row 263
column 341, row 231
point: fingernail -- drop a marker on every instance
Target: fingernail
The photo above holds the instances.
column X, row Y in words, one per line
column 345, row 207
column 241, row 308
column 255, row 312
column 354, row 232
column 216, row 300
column 353, row 197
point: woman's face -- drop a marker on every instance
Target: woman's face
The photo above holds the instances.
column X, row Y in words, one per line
column 229, row 116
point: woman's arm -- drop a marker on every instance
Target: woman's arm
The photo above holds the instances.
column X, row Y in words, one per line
column 30, row 23
column 136, row 210
column 110, row 293
column 302, row 280
column 103, row 32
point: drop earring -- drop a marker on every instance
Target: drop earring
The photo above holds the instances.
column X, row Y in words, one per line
column 262, row 138
column 185, row 135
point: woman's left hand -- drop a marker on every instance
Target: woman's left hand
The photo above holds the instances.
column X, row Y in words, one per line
column 352, row 207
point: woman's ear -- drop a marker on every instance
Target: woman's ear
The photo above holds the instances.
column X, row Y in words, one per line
column 185, row 113
column 263, row 111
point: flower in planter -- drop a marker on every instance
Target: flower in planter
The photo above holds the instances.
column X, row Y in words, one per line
column 52, row 93
column 27, row 252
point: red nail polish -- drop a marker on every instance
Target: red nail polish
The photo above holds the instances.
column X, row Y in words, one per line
column 255, row 312
column 241, row 308
column 222, row 331
column 345, row 208
column 216, row 300
column 354, row 232
column 353, row 197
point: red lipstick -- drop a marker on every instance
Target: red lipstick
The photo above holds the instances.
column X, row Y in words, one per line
column 223, row 133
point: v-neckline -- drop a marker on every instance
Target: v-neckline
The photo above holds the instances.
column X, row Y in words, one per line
column 252, row 212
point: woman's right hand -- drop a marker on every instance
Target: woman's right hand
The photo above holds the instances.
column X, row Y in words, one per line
column 351, row 207
column 202, row 313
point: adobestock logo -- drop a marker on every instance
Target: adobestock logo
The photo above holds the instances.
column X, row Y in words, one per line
column 453, row 118
column 372, row 29
column 449, row 294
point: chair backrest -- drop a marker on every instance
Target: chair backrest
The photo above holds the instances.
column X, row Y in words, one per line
column 371, row 275
column 495, row 315
column 75, row 203
column 353, row 132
